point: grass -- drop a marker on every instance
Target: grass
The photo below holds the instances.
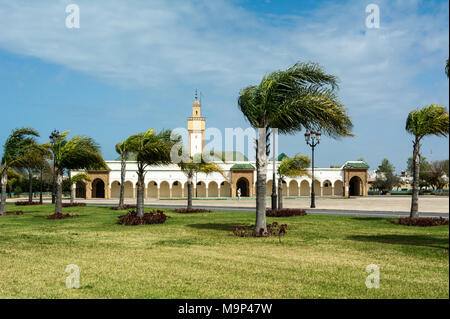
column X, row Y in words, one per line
column 196, row 256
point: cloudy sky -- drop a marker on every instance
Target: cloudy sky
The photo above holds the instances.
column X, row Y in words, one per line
column 133, row 65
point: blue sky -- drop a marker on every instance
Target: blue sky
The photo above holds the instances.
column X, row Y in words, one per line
column 134, row 65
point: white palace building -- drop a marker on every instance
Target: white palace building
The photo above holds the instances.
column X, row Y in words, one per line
column 164, row 182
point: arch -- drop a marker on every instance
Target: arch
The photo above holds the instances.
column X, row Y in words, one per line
column 225, row 189
column 115, row 189
column 355, row 186
column 201, row 189
column 268, row 187
column 177, row 190
column 80, row 190
column 185, row 189
column 338, row 188
column 164, row 190
column 327, row 189
column 243, row 184
column 304, row 188
column 293, row 188
column 317, row 188
column 213, row 189
column 284, row 188
column 152, row 189
column 98, row 188
column 128, row 190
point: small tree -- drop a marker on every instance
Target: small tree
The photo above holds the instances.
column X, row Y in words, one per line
column 291, row 167
column 14, row 150
column 386, row 179
column 199, row 163
column 79, row 152
column 150, row 149
column 430, row 120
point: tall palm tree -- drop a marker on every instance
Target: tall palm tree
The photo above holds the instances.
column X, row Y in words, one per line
column 123, row 152
column 291, row 167
column 149, row 149
column 15, row 148
column 36, row 157
column 301, row 97
column 78, row 152
column 199, row 163
column 430, row 120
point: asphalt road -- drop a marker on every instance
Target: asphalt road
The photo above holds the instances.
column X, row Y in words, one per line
column 317, row 211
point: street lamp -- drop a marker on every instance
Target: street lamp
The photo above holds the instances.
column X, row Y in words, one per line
column 53, row 137
column 312, row 139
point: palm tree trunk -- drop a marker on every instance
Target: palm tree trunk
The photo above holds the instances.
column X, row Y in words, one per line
column 40, row 188
column 4, row 181
column 415, row 188
column 123, row 165
column 280, row 193
column 30, row 185
column 189, row 205
column 58, row 198
column 72, row 190
column 261, row 175
column 140, row 194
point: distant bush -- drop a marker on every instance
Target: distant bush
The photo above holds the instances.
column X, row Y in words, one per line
column 73, row 204
column 124, row 207
column 26, row 203
column 421, row 221
column 285, row 212
column 131, row 218
column 61, row 216
column 273, row 229
column 191, row 210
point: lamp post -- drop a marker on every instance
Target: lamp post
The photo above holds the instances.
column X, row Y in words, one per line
column 53, row 137
column 312, row 139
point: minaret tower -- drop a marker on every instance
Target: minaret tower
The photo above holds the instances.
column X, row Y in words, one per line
column 196, row 129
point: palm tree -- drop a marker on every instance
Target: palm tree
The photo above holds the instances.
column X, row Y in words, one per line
column 199, row 163
column 34, row 159
column 446, row 68
column 15, row 148
column 123, row 152
column 301, row 97
column 291, row 167
column 78, row 178
column 79, row 152
column 149, row 149
column 430, row 120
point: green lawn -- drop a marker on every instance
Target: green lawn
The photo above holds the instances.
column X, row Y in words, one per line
column 196, row 256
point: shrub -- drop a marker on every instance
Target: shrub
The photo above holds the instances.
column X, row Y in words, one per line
column 153, row 217
column 124, row 207
column 60, row 216
column 421, row 221
column 73, row 204
column 191, row 210
column 285, row 212
column 273, row 229
column 19, row 212
column 26, row 203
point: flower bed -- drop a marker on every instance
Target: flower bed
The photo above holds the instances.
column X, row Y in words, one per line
column 26, row 203
column 124, row 207
column 285, row 212
column 191, row 210
column 421, row 221
column 61, row 216
column 273, row 229
column 153, row 217
column 73, row 204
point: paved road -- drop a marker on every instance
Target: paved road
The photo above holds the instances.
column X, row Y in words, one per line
column 316, row 211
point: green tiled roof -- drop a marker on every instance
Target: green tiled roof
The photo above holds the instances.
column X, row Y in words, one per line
column 242, row 166
column 356, row 164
